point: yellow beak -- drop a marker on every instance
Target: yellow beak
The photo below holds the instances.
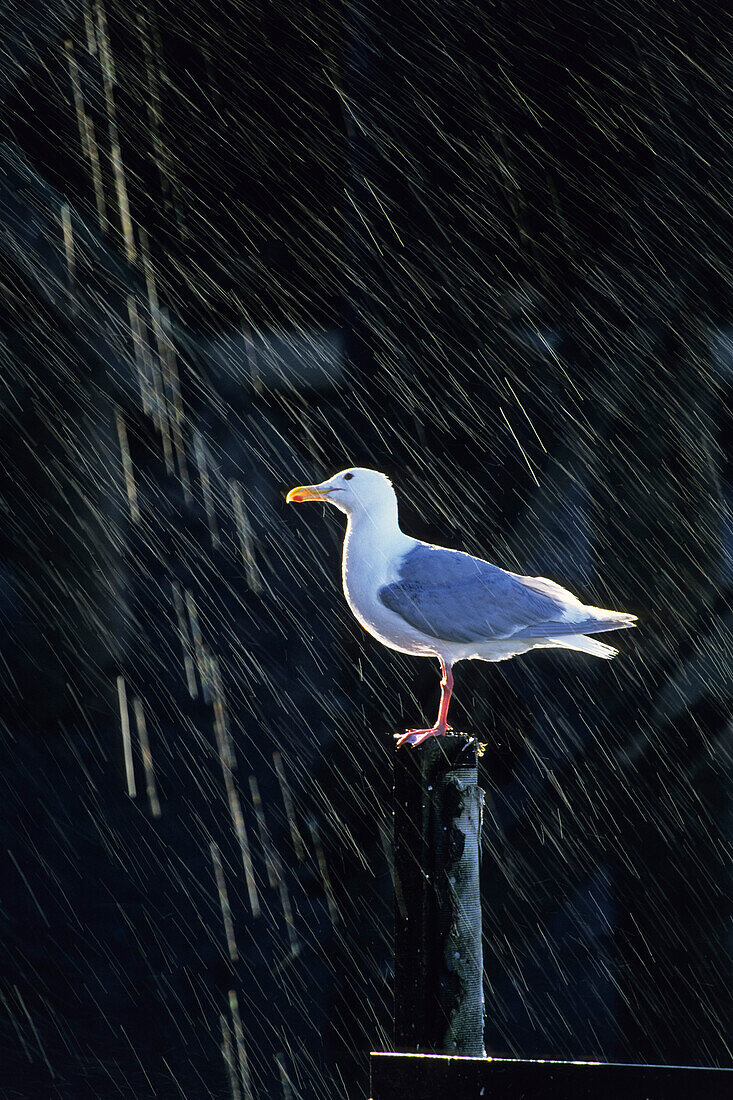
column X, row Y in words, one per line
column 306, row 492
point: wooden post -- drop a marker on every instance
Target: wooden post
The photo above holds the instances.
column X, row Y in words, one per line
column 438, row 956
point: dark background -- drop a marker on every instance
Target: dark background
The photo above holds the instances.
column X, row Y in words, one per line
column 485, row 248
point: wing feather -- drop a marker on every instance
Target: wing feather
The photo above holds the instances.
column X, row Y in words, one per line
column 458, row 598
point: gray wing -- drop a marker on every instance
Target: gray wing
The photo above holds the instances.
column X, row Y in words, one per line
column 455, row 597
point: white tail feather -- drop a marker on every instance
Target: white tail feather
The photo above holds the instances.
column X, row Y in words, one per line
column 587, row 645
column 623, row 618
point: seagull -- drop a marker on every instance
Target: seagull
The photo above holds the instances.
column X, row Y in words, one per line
column 433, row 602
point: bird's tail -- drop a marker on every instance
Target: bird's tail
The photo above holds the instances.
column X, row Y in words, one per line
column 608, row 620
column 587, row 645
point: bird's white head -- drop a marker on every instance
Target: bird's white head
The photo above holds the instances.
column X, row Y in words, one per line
column 354, row 491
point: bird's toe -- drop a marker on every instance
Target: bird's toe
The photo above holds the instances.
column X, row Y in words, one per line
column 416, row 737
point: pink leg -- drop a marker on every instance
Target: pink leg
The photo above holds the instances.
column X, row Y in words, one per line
column 441, row 727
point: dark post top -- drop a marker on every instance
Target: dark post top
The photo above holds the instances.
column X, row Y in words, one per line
column 438, row 958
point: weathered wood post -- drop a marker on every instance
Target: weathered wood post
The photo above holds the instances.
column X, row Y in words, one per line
column 439, row 1006
column 438, row 961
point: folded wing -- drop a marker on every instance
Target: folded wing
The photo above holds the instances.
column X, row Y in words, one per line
column 454, row 597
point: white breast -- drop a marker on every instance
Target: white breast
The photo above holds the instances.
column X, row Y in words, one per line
column 371, row 559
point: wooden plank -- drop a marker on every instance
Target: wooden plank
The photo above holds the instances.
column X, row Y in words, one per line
column 436, row 1077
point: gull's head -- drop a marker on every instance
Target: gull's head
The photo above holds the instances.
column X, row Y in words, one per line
column 354, row 490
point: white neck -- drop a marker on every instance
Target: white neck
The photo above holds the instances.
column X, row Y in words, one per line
column 381, row 517
column 372, row 540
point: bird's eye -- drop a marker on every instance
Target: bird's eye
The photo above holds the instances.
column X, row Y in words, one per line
column 348, row 477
